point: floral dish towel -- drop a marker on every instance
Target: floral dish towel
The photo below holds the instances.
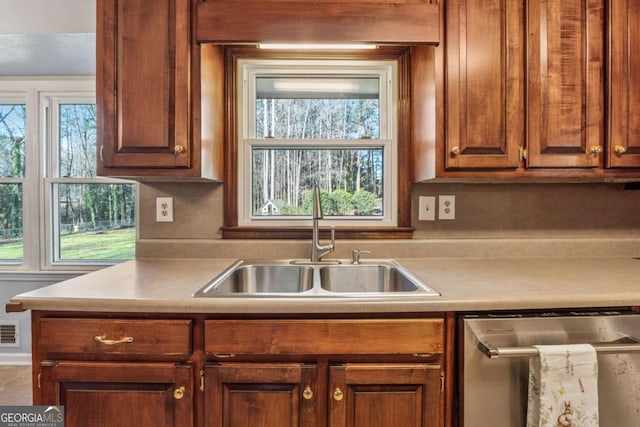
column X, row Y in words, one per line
column 563, row 387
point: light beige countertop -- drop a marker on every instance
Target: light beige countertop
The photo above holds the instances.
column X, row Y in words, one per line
column 465, row 284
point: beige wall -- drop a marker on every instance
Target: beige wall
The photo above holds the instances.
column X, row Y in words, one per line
column 484, row 213
column 533, row 210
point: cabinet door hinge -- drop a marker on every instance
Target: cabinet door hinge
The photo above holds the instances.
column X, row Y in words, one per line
column 201, row 379
column 522, row 153
column 441, row 381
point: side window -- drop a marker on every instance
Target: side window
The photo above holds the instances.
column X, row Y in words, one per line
column 13, row 113
column 55, row 213
column 93, row 219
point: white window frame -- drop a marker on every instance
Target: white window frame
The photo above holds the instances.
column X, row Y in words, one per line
column 39, row 213
column 385, row 70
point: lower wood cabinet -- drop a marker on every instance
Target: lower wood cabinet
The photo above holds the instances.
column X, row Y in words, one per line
column 298, row 394
column 261, row 394
column 382, row 395
column 193, row 370
column 119, row 394
column 345, row 372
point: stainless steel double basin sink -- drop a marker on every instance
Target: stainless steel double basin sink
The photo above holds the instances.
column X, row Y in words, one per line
column 296, row 278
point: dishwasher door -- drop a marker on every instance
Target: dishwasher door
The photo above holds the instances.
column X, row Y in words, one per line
column 495, row 364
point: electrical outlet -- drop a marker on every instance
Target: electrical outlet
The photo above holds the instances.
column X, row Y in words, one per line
column 164, row 209
column 446, row 207
column 427, row 208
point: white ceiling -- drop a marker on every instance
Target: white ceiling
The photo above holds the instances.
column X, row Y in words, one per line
column 47, row 37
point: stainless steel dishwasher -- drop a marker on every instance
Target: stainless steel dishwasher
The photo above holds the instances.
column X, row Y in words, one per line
column 495, row 363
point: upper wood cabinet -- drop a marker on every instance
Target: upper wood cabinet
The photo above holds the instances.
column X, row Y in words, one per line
column 565, row 97
column 485, row 83
column 148, row 92
column 523, row 93
column 624, row 84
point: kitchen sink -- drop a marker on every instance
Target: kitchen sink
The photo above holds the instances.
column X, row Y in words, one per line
column 260, row 278
column 366, row 278
column 297, row 278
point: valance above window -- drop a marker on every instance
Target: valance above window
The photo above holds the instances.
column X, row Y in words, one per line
column 320, row 22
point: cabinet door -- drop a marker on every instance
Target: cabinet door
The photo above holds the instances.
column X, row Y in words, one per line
column 142, row 84
column 565, row 95
column 122, row 394
column 485, row 83
column 624, row 84
column 382, row 395
column 261, row 395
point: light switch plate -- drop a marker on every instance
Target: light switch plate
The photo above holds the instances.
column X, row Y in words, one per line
column 427, row 208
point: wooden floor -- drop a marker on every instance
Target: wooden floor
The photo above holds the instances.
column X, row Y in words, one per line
column 15, row 385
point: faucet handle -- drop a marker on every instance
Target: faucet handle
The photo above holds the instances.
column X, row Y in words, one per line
column 355, row 255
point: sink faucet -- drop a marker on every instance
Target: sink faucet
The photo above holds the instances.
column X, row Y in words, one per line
column 317, row 250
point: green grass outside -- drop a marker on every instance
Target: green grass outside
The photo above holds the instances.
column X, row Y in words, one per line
column 111, row 245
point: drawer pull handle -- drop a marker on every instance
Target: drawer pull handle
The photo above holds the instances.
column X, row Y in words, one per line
column 102, row 339
column 424, row 355
column 224, row 355
column 338, row 395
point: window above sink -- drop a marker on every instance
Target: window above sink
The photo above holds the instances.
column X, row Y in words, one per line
column 379, row 78
column 330, row 122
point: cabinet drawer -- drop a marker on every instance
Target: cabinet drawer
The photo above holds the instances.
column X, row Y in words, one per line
column 115, row 336
column 327, row 336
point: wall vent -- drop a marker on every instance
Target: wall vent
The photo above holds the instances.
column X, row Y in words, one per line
column 9, row 336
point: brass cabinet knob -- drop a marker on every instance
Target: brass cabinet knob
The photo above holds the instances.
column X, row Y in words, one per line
column 178, row 149
column 455, row 151
column 178, row 393
column 595, row 150
column 619, row 149
column 522, row 154
column 307, row 393
column 338, row 395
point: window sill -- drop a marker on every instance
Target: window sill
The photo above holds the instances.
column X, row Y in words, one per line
column 305, row 233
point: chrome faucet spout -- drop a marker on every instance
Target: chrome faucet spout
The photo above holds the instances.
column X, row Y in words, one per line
column 318, row 250
column 317, row 203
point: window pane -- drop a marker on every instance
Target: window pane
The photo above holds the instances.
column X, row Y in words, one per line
column 11, row 248
column 77, row 140
column 317, row 108
column 96, row 221
column 12, row 139
column 350, row 180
